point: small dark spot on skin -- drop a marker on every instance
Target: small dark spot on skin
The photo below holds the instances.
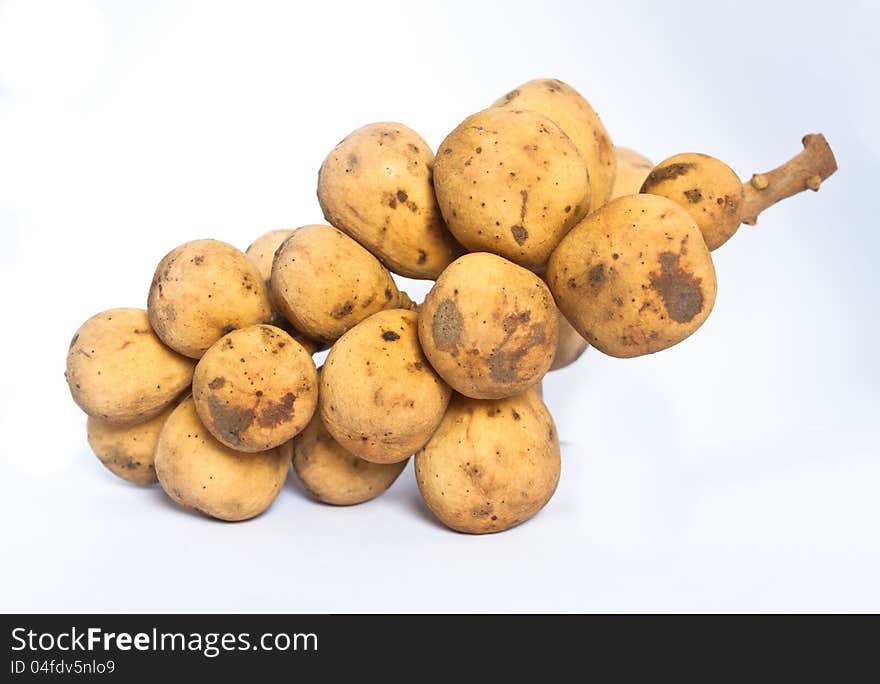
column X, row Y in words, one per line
column 392, row 203
column 198, row 260
column 520, row 234
column 412, row 207
column 572, row 283
column 516, row 416
column 596, row 276
column 259, row 393
column 230, row 421
column 494, row 517
column 664, row 173
column 401, row 196
column 342, row 310
column 479, row 150
column 447, row 150
column 447, row 326
column 390, row 336
column 217, row 383
column 679, row 289
column 615, row 256
column 693, row 195
column 277, row 412
column 388, row 293
column 567, row 208
column 423, row 256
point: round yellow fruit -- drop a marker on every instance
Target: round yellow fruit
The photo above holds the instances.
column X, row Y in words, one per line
column 376, row 186
column 119, row 371
column 510, row 182
column 489, row 327
column 491, row 464
column 200, row 473
column 634, row 277
column 255, row 388
column 380, row 398
column 203, row 290
column 707, row 188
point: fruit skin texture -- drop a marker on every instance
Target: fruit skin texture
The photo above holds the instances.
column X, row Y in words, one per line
column 118, row 370
column 335, row 476
column 491, row 464
column 325, row 283
column 707, row 188
column 379, row 397
column 512, row 183
column 563, row 105
column 127, row 450
column 489, row 327
column 632, row 170
column 203, row 290
column 570, row 346
column 198, row 472
column 376, row 186
column 634, row 277
column 255, row 388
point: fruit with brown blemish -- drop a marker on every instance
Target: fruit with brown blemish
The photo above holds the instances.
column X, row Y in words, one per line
column 490, row 465
column 632, row 170
column 376, row 186
column 714, row 196
column 708, row 189
column 256, row 388
column 128, row 451
column 325, row 283
column 200, row 473
column 332, row 474
column 510, row 182
column 489, row 327
column 634, row 277
column 563, row 105
column 119, row 371
column 380, row 398
column 201, row 291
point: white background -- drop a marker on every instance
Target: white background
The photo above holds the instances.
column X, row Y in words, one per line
column 738, row 471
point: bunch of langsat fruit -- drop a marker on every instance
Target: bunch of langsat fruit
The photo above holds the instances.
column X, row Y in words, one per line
column 542, row 239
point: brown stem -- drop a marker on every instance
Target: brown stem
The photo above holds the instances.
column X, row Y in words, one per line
column 805, row 171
